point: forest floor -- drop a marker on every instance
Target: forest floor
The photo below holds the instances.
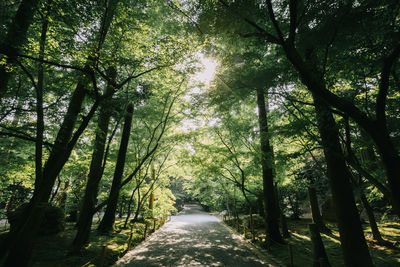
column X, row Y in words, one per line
column 301, row 249
column 103, row 250
column 194, row 238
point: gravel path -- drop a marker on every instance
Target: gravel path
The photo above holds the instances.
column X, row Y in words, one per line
column 192, row 238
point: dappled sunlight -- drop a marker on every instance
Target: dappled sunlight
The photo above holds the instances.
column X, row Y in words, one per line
column 192, row 238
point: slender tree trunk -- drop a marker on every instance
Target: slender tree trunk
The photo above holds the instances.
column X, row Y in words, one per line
column 315, row 212
column 53, row 196
column 151, row 198
column 39, row 108
column 15, row 38
column 354, row 247
column 106, row 224
column 129, row 210
column 96, row 171
column 139, row 206
column 271, row 205
column 371, row 218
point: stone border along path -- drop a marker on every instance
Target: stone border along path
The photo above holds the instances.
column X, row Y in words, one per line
column 194, row 238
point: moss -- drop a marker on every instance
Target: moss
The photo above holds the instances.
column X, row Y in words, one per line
column 53, row 250
column 301, row 248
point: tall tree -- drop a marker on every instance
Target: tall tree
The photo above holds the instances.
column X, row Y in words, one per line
column 107, row 222
column 23, row 238
column 96, row 169
column 267, row 163
column 354, row 247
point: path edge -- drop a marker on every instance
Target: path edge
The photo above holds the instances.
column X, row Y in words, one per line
column 263, row 254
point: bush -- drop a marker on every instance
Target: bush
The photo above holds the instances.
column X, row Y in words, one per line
column 53, row 221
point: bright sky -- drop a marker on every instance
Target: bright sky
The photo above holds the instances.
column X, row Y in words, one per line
column 205, row 75
column 207, row 72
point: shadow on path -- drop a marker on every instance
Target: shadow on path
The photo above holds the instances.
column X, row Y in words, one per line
column 192, row 238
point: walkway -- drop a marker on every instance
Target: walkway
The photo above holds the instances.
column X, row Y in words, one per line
column 192, row 238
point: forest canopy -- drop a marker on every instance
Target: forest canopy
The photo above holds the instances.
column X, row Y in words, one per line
column 126, row 109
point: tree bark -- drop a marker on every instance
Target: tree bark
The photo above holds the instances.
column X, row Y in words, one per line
column 39, row 108
column 106, row 224
column 354, row 247
column 271, row 205
column 371, row 218
column 315, row 212
column 319, row 253
column 96, row 171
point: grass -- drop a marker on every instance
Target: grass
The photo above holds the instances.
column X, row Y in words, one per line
column 300, row 243
column 52, row 251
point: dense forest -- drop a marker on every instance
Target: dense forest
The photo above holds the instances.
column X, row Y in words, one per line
column 276, row 114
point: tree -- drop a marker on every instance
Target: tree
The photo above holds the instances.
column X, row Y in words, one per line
column 96, row 168
column 106, row 224
column 23, row 238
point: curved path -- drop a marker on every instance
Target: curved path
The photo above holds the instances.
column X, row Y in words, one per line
column 192, row 238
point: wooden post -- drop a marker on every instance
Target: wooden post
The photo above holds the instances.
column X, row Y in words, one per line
column 244, row 229
column 151, row 198
column 154, row 225
column 285, row 230
column 102, row 256
column 253, row 237
column 130, row 241
column 318, row 247
column 145, row 231
column 291, row 255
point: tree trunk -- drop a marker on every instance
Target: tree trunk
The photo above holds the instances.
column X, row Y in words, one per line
column 371, row 218
column 139, row 206
column 151, row 198
column 354, row 247
column 271, row 205
column 315, row 212
column 39, row 108
column 95, row 173
column 376, row 129
column 15, row 38
column 129, row 209
column 106, row 224
column 319, row 255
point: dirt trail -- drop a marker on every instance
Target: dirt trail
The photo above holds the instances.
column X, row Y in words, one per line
column 192, row 238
